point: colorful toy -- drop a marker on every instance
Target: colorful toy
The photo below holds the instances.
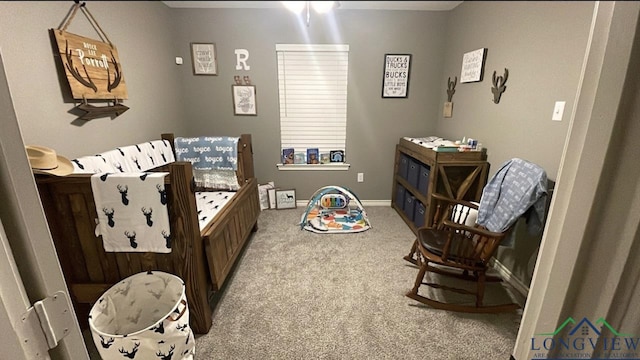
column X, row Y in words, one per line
column 334, row 209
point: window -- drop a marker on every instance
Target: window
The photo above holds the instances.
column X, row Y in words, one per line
column 312, row 82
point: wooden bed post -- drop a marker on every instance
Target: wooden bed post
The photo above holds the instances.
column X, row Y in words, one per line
column 247, row 158
column 188, row 249
column 169, row 137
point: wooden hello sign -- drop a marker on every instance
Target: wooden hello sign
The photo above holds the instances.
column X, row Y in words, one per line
column 92, row 67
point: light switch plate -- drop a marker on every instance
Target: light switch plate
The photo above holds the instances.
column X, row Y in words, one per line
column 558, row 111
column 178, row 60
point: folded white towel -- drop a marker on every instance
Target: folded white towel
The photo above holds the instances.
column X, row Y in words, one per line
column 132, row 212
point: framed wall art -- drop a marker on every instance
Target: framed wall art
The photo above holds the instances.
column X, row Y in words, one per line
column 286, row 199
column 203, row 58
column 395, row 78
column 271, row 193
column 244, row 100
column 473, row 66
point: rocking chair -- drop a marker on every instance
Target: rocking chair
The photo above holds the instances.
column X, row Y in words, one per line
column 451, row 248
column 457, row 245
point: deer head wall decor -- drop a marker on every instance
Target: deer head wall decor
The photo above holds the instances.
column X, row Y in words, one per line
column 499, row 85
column 451, row 88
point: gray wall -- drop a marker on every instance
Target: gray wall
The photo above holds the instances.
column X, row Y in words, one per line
column 541, row 43
column 543, row 46
column 142, row 33
column 374, row 124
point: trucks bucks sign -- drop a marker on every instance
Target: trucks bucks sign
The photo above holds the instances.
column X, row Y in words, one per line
column 92, row 67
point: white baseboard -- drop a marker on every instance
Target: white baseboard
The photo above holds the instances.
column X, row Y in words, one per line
column 376, row 202
column 508, row 276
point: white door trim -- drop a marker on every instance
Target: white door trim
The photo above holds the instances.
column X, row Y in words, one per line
column 26, row 228
column 13, row 300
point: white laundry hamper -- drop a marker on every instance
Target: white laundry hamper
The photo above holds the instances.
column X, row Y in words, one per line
column 145, row 316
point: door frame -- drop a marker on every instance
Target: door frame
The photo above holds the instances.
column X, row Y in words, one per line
column 26, row 232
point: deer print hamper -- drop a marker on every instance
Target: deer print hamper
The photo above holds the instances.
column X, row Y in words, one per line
column 144, row 316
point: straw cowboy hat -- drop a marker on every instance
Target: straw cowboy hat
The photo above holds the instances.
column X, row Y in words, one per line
column 44, row 160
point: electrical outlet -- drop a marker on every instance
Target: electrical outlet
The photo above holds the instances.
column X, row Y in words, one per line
column 360, row 177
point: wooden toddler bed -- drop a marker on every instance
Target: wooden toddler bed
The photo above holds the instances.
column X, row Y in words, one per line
column 202, row 256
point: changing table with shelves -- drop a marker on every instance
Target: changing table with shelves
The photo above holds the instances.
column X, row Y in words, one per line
column 420, row 171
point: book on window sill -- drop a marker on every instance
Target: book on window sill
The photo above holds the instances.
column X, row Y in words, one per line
column 287, row 155
column 300, row 157
column 336, row 156
column 313, row 156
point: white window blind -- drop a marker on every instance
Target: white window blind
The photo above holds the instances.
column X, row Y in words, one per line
column 312, row 81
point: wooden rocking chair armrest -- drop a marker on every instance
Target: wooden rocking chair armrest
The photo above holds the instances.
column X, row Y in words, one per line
column 447, row 199
column 474, row 230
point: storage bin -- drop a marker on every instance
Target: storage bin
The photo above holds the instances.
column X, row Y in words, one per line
column 418, row 217
column 413, row 173
column 144, row 316
column 409, row 205
column 400, row 190
column 403, row 167
column 423, row 179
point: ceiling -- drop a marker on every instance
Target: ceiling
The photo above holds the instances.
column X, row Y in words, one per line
column 370, row 5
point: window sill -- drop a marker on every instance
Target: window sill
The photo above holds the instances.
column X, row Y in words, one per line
column 314, row 167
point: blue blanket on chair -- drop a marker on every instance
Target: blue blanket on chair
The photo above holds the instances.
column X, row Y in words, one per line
column 208, row 153
column 518, row 188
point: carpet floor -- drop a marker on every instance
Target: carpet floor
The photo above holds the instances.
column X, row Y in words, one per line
column 295, row 294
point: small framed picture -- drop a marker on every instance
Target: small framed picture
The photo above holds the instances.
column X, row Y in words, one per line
column 244, row 100
column 203, row 58
column 272, row 198
column 286, row 199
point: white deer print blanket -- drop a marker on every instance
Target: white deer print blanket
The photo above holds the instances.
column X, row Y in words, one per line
column 132, row 212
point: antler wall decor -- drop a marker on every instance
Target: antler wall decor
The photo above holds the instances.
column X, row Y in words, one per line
column 499, row 85
column 92, row 67
column 451, row 88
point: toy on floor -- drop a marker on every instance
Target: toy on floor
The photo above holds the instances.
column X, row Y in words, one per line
column 334, row 209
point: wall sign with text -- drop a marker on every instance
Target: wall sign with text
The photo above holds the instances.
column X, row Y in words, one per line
column 473, row 66
column 395, row 80
column 203, row 59
column 92, row 67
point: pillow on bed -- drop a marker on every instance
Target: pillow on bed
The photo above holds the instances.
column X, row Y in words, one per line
column 209, row 180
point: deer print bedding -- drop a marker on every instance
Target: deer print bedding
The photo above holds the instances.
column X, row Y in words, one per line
column 210, row 203
column 132, row 211
column 132, row 158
